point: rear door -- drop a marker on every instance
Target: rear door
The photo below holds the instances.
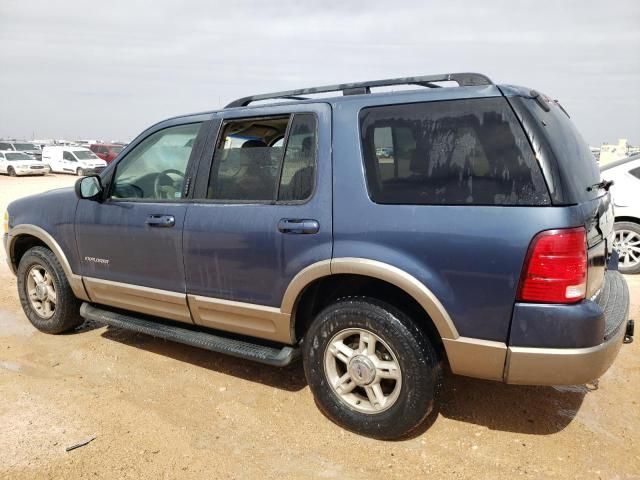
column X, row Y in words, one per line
column 262, row 213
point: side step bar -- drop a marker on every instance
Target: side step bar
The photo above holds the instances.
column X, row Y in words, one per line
column 277, row 357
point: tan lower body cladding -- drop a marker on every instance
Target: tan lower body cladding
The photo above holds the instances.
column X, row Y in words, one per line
column 531, row 366
column 476, row 358
column 259, row 321
column 243, row 318
column 150, row 301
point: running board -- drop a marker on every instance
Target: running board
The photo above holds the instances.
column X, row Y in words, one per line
column 277, row 357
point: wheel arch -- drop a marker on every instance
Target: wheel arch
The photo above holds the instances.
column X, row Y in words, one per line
column 25, row 236
column 381, row 276
column 627, row 218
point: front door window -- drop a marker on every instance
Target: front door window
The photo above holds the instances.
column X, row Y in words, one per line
column 155, row 169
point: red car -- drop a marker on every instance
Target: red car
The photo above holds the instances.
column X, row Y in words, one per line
column 106, row 151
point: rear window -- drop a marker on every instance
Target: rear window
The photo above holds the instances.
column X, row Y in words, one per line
column 452, row 152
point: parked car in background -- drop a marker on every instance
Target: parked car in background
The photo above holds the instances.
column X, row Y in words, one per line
column 75, row 160
column 28, row 148
column 106, row 151
column 19, row 163
column 625, row 190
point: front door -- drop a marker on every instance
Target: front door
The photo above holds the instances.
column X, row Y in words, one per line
column 130, row 244
column 262, row 215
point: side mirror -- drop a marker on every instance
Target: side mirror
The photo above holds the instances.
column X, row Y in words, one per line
column 88, row 188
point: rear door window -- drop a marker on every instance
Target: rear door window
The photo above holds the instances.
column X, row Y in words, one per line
column 453, row 152
column 264, row 160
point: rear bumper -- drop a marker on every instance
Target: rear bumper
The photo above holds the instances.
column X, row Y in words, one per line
column 570, row 366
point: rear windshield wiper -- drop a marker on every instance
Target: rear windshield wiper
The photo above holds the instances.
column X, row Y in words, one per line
column 544, row 101
column 604, row 184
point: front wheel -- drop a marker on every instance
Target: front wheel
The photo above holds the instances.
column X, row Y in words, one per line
column 45, row 294
column 80, row 172
column 371, row 369
column 11, row 172
column 627, row 243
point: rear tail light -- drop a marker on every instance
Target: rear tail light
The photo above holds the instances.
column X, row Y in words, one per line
column 555, row 269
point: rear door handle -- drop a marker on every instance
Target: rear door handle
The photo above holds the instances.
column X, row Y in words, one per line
column 162, row 221
column 298, row 225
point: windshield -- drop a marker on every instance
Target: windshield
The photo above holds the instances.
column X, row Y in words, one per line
column 116, row 149
column 25, row 146
column 84, row 155
column 17, row 156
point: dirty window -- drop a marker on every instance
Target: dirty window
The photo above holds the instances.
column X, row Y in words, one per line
column 450, row 152
column 298, row 169
column 250, row 164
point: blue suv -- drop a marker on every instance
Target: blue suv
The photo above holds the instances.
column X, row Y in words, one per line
column 380, row 236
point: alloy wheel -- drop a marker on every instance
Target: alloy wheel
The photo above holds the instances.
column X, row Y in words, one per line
column 41, row 291
column 627, row 243
column 363, row 370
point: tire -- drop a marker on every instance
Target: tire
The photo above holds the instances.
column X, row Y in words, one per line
column 627, row 242
column 80, row 172
column 11, row 172
column 408, row 400
column 63, row 313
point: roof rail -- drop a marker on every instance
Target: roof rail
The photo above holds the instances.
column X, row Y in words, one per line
column 463, row 80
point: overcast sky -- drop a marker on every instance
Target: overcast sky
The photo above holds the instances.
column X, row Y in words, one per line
column 108, row 69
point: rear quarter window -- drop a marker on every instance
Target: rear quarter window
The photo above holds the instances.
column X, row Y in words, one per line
column 452, row 152
column 575, row 160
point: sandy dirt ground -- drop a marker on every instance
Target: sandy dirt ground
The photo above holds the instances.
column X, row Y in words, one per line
column 164, row 410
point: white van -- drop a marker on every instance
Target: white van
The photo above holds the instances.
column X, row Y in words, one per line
column 75, row 160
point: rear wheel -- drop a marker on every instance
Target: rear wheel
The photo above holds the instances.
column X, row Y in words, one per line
column 11, row 172
column 371, row 369
column 45, row 294
column 627, row 243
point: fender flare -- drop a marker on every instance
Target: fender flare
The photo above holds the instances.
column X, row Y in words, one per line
column 375, row 269
column 75, row 281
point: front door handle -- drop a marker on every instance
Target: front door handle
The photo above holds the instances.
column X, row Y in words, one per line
column 162, row 221
column 298, row 225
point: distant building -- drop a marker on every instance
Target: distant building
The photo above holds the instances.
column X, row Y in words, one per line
column 612, row 152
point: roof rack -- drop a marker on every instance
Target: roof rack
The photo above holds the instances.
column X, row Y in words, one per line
column 463, row 80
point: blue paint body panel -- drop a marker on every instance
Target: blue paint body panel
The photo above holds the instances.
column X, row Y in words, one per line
column 53, row 211
column 137, row 253
column 557, row 326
